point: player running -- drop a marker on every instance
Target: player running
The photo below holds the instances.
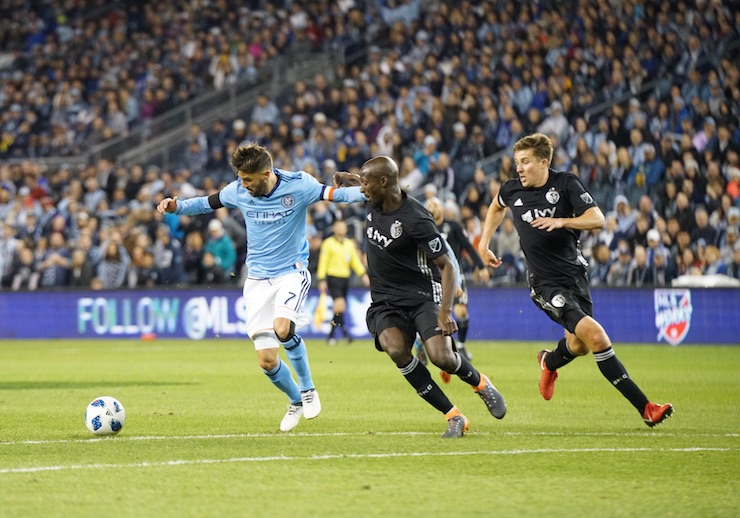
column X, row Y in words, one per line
column 412, row 287
column 550, row 209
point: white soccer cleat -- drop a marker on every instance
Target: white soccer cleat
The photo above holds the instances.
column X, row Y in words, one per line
column 292, row 416
column 311, row 403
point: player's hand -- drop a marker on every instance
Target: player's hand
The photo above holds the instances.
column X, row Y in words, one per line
column 489, row 258
column 167, row 205
column 345, row 179
column 483, row 275
column 322, row 286
column 548, row 224
column 445, row 322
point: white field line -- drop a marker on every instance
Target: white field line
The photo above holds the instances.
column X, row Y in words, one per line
column 651, row 434
column 281, row 458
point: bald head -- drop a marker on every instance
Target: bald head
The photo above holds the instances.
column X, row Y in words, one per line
column 380, row 182
column 381, row 166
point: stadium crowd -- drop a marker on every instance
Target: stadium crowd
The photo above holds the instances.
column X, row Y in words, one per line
column 437, row 86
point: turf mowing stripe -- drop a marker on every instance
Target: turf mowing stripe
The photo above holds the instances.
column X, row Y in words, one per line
column 186, row 462
column 647, row 433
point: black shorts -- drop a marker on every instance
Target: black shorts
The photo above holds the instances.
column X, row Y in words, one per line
column 566, row 305
column 338, row 286
column 410, row 320
column 463, row 298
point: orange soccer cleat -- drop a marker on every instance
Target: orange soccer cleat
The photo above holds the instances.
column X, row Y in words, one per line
column 655, row 414
column 547, row 378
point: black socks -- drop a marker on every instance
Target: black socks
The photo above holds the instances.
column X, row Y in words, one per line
column 560, row 356
column 614, row 371
column 419, row 378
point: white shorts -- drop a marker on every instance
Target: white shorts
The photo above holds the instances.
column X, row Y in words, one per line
column 278, row 297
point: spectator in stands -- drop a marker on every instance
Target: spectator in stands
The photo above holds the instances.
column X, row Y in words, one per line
column 114, row 265
column 702, row 229
column 30, row 230
column 647, row 176
column 713, row 262
column 209, row 272
column 641, row 271
column 220, row 246
column 410, row 177
column 265, row 111
column 555, row 123
column 684, row 212
column 54, row 263
column 442, row 176
column 619, row 271
column 687, row 263
column 24, row 271
column 654, row 243
column 168, row 257
column 23, row 205
column 239, row 131
column 196, row 161
column 141, row 272
column 600, row 265
column 730, row 243
column 427, row 156
column 642, row 227
column 663, row 269
column 625, row 215
column 733, row 185
column 193, row 255
column 81, row 271
column 733, row 267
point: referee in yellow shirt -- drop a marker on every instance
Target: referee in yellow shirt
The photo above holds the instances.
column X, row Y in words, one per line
column 337, row 257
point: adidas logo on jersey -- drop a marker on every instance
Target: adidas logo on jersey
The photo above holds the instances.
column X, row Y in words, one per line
column 518, row 202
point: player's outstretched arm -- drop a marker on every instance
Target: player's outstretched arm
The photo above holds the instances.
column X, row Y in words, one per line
column 345, row 179
column 494, row 216
column 349, row 194
column 191, row 206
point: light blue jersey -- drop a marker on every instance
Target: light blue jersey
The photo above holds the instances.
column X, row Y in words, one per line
column 276, row 222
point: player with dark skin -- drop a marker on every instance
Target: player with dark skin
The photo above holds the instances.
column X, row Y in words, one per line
column 412, row 287
column 383, row 189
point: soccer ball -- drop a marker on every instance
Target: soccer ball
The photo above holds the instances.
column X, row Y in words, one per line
column 105, row 416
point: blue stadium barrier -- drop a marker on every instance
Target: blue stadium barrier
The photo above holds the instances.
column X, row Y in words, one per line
column 673, row 316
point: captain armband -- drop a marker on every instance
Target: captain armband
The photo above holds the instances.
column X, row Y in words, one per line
column 215, row 201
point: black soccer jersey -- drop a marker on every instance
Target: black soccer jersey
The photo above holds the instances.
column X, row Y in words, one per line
column 453, row 232
column 552, row 257
column 401, row 248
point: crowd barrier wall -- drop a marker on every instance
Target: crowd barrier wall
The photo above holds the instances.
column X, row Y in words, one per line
column 673, row 316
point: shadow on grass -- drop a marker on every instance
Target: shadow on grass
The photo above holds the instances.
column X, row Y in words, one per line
column 54, row 385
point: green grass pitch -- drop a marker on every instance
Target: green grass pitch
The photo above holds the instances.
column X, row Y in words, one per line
column 201, row 435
